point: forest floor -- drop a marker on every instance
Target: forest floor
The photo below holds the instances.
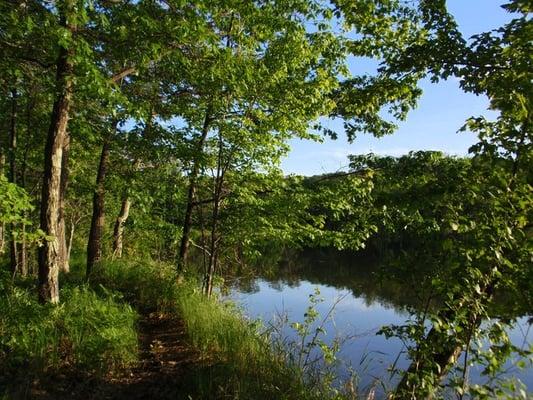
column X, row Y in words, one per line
column 166, row 362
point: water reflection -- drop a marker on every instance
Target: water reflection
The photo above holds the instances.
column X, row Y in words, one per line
column 374, row 294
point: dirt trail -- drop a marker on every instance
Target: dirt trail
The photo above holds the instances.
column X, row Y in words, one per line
column 165, row 362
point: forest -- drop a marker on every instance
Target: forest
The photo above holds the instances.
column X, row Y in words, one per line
column 140, row 175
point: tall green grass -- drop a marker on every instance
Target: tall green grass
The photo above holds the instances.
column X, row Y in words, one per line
column 243, row 364
column 147, row 285
column 87, row 331
column 238, row 359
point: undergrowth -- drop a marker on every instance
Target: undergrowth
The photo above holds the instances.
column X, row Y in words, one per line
column 238, row 359
column 243, row 363
column 94, row 329
column 147, row 285
column 89, row 331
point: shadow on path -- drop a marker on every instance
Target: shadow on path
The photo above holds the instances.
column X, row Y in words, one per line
column 166, row 364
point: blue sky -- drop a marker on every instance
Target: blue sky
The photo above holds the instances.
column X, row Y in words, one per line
column 433, row 125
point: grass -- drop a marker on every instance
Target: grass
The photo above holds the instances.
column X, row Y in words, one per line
column 146, row 285
column 88, row 331
column 240, row 362
column 243, row 364
column 94, row 329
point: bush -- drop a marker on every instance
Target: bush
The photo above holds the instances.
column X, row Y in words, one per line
column 86, row 331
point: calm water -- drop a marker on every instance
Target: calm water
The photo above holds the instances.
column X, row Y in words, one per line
column 366, row 302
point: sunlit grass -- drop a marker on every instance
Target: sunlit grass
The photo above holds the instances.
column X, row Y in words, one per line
column 238, row 360
column 88, row 331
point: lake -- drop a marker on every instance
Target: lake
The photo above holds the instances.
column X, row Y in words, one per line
column 363, row 300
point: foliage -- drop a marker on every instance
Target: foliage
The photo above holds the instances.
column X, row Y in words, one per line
column 246, row 363
column 483, row 227
column 87, row 331
column 149, row 286
column 309, row 352
column 266, row 211
column 15, row 204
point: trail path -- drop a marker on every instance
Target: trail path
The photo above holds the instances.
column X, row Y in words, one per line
column 165, row 362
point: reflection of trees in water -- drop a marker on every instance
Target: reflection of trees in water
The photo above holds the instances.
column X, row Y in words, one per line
column 364, row 276
column 393, row 283
column 247, row 284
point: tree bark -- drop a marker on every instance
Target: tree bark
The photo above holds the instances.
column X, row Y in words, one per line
column 213, row 246
column 70, row 239
column 446, row 353
column 217, row 195
column 23, row 251
column 213, row 256
column 2, row 236
column 57, row 132
column 118, row 231
column 23, row 254
column 187, row 221
column 64, row 264
column 94, row 245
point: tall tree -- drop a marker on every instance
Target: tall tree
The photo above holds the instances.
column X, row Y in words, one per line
column 49, row 261
column 94, row 244
column 243, row 78
column 168, row 32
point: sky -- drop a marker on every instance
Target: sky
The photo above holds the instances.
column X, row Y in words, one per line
column 433, row 125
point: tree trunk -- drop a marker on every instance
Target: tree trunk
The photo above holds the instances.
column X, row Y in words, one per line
column 64, row 264
column 23, row 254
column 213, row 246
column 2, row 236
column 445, row 350
column 217, row 195
column 49, row 251
column 446, row 353
column 13, row 175
column 213, row 256
column 118, row 231
column 94, row 245
column 70, row 239
column 187, row 222
column 23, row 251
column 2, row 224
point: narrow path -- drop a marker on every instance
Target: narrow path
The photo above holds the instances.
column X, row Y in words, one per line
column 165, row 359
column 166, row 363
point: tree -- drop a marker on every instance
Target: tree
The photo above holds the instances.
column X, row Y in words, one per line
column 491, row 221
column 57, row 136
